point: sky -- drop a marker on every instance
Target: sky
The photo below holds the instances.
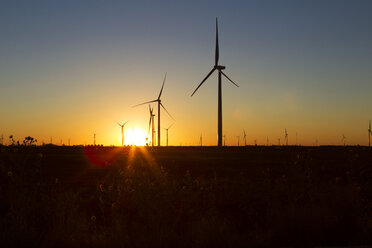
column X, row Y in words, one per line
column 69, row 69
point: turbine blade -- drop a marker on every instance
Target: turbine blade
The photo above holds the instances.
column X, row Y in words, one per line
column 125, row 123
column 229, row 79
column 204, row 80
column 145, row 103
column 161, row 91
column 167, row 111
column 118, row 123
column 217, row 55
column 170, row 126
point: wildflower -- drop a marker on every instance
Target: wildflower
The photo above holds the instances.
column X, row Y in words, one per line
column 10, row 173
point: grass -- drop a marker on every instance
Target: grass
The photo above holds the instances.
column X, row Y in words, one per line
column 184, row 197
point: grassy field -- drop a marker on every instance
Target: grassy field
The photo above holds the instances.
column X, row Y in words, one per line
column 185, row 196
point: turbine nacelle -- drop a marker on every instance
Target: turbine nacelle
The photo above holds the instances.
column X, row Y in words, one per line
column 220, row 67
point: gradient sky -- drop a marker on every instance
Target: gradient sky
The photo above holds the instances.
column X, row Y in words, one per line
column 69, row 69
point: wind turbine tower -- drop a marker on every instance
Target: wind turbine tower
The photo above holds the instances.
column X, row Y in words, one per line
column 369, row 133
column 201, row 139
column 286, row 137
column 152, row 124
column 343, row 139
column 167, row 129
column 94, row 139
column 219, row 68
column 122, row 132
column 158, row 100
column 296, row 140
column 245, row 138
column 224, row 140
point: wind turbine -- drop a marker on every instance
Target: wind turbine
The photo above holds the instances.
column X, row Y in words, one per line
column 158, row 100
column 286, row 137
column 343, row 139
column 238, row 139
column 369, row 133
column 245, row 138
column 201, row 139
column 166, row 129
column 151, row 121
column 224, row 140
column 122, row 132
column 219, row 68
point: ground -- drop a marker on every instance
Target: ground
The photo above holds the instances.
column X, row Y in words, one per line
column 185, row 196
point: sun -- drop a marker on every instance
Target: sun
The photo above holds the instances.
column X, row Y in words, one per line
column 135, row 136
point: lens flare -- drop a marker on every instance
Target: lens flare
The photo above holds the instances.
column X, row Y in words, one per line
column 135, row 136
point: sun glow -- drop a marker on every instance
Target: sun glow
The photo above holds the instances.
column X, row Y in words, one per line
column 135, row 136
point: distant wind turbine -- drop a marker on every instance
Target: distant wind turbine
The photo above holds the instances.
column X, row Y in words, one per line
column 369, row 133
column 219, row 68
column 167, row 129
column 201, row 139
column 224, row 140
column 286, row 137
column 238, row 139
column 245, row 138
column 158, row 100
column 343, row 139
column 151, row 122
column 122, row 132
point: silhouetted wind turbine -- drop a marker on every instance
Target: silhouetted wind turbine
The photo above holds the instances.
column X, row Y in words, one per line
column 245, row 138
column 238, row 139
column 343, row 139
column 151, row 121
column 286, row 137
column 166, row 129
column 219, row 68
column 158, row 100
column 201, row 139
column 122, row 132
column 224, row 140
column 369, row 133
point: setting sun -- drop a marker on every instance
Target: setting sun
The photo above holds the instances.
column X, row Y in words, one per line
column 135, row 136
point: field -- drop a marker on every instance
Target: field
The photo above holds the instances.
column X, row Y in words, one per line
column 185, row 196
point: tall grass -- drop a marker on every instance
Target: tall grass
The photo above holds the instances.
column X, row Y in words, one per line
column 141, row 205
